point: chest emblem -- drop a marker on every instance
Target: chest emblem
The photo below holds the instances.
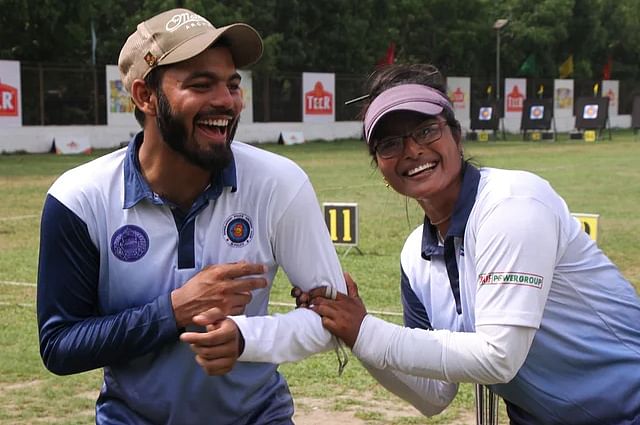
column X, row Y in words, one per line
column 129, row 243
column 238, row 230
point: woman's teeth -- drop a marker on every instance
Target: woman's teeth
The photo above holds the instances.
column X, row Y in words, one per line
column 420, row 168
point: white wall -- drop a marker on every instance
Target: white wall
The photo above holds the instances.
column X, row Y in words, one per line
column 38, row 139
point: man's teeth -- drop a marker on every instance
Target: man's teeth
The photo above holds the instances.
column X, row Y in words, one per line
column 217, row 122
column 420, row 168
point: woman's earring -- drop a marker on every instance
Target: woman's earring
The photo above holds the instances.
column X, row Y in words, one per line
column 386, row 183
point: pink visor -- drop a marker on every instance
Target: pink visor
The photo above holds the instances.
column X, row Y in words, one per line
column 405, row 97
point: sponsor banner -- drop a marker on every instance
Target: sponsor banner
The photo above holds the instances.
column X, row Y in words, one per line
column 515, row 92
column 511, row 278
column 119, row 104
column 66, row 145
column 10, row 94
column 291, row 138
column 246, row 85
column 611, row 89
column 459, row 91
column 318, row 97
column 563, row 98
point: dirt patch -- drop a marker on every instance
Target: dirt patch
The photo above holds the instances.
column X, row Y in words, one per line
column 364, row 409
column 20, row 385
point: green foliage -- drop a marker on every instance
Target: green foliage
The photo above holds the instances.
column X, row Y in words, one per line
column 350, row 36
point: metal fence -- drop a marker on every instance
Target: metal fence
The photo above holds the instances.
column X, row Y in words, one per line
column 75, row 95
column 66, row 95
column 63, row 95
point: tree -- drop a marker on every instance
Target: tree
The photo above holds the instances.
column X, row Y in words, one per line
column 350, row 36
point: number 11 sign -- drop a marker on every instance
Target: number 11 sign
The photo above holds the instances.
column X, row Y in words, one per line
column 342, row 221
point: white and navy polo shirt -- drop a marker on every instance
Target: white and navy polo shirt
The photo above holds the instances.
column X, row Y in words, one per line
column 111, row 253
column 514, row 255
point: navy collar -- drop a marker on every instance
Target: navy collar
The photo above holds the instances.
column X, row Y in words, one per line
column 461, row 211
column 136, row 187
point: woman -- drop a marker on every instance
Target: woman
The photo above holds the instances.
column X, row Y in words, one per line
column 500, row 285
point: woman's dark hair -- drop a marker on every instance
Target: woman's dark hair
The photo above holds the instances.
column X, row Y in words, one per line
column 394, row 75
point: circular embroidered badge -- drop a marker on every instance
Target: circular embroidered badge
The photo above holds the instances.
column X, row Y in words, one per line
column 129, row 243
column 238, row 230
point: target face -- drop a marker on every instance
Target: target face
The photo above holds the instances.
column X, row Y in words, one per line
column 485, row 113
column 590, row 112
column 537, row 112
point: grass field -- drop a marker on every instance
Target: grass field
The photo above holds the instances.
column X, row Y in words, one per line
column 601, row 177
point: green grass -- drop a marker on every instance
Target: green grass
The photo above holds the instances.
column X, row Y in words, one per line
column 601, row 178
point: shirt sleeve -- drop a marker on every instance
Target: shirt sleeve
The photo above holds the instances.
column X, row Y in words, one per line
column 429, row 396
column 493, row 354
column 74, row 336
column 517, row 244
column 303, row 248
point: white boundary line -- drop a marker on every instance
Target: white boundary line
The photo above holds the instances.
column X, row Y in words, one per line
column 5, row 304
column 273, row 303
column 19, row 217
column 8, row 282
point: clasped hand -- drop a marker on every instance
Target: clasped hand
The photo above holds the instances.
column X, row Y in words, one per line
column 341, row 316
column 206, row 300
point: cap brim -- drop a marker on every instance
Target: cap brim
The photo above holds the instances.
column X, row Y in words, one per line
column 245, row 45
column 425, row 108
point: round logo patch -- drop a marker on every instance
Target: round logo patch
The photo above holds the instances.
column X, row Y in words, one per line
column 238, row 230
column 129, row 243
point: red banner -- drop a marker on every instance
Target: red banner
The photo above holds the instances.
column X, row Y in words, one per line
column 8, row 101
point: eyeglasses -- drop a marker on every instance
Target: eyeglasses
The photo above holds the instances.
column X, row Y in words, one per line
column 424, row 134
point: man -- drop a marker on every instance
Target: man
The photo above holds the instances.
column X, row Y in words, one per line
column 137, row 244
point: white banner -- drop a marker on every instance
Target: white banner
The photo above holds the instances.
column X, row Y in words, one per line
column 318, row 97
column 10, row 94
column 515, row 91
column 563, row 94
column 67, row 144
column 563, row 98
column 611, row 89
column 119, row 104
column 459, row 91
column 246, row 85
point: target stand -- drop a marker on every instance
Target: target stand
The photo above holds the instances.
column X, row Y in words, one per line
column 485, row 118
column 592, row 117
column 537, row 121
column 635, row 116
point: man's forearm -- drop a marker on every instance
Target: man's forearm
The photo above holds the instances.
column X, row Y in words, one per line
column 282, row 338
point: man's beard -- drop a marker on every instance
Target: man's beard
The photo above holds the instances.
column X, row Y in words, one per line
column 174, row 133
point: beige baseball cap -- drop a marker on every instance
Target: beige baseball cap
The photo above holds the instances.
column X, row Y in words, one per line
column 180, row 34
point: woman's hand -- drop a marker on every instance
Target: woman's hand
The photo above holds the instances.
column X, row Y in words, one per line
column 341, row 316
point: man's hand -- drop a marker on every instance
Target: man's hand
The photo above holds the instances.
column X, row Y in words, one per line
column 217, row 349
column 302, row 298
column 224, row 286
